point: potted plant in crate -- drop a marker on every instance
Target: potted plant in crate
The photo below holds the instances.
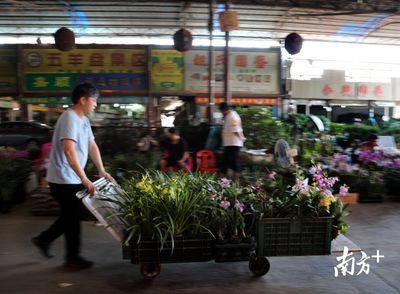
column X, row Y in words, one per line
column 166, row 216
column 232, row 217
column 298, row 219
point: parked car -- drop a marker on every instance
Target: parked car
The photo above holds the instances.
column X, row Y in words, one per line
column 24, row 134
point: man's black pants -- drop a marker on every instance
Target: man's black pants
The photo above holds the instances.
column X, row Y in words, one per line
column 231, row 159
column 68, row 223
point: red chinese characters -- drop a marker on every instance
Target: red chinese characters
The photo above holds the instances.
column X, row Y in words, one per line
column 346, row 90
column 117, row 59
column 138, row 60
column 75, row 59
column 96, row 59
column 327, row 90
column 363, row 90
column 54, row 59
column 241, row 61
column 378, row 91
column 220, row 59
column 199, row 60
column 260, row 61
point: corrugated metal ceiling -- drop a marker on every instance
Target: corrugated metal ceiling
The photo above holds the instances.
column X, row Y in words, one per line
column 350, row 21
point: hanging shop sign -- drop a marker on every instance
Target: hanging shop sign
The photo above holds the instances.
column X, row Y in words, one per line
column 166, row 70
column 251, row 72
column 241, row 101
column 228, row 20
column 8, row 70
column 325, row 89
column 113, row 69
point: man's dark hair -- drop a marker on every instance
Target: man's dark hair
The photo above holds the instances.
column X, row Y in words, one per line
column 224, row 106
column 84, row 90
column 173, row 131
column 372, row 137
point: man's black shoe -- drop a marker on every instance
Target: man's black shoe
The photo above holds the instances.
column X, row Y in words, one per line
column 78, row 263
column 42, row 246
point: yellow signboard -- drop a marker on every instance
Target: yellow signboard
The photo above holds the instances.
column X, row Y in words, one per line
column 104, row 60
column 166, row 70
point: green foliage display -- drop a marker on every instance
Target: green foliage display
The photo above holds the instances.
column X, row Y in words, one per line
column 162, row 206
column 260, row 128
column 122, row 164
column 14, row 172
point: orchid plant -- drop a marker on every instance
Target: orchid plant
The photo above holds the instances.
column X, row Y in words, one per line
column 307, row 197
column 231, row 207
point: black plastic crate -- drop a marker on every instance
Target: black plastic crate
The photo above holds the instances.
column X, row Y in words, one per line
column 289, row 237
column 186, row 249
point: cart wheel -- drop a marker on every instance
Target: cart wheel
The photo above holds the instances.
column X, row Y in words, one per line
column 150, row 270
column 259, row 266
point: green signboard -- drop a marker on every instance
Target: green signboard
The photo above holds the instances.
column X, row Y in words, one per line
column 51, row 82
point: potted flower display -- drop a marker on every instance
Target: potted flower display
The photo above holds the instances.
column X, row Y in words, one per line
column 299, row 219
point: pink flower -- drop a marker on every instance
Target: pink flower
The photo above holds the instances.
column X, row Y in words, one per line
column 343, row 190
column 315, row 169
column 271, row 176
column 224, row 204
column 224, row 183
column 239, row 206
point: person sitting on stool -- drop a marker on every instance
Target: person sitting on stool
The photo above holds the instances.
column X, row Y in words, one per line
column 174, row 151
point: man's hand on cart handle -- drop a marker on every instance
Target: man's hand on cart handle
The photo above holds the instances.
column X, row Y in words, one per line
column 90, row 187
column 104, row 174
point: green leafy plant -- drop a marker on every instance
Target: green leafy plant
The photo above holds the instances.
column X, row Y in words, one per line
column 161, row 206
column 260, row 128
column 14, row 172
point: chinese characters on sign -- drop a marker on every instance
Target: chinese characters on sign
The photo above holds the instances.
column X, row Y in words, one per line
column 50, row 82
column 108, row 69
column 251, row 72
column 115, row 81
column 361, row 90
column 85, row 61
column 347, row 263
column 241, row 101
column 167, row 70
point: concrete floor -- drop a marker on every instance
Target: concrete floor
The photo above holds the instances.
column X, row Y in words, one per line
column 23, row 270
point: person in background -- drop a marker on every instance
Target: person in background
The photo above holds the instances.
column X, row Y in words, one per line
column 174, row 151
column 73, row 141
column 370, row 144
column 232, row 140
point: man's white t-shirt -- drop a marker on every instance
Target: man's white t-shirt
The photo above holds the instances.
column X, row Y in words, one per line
column 232, row 124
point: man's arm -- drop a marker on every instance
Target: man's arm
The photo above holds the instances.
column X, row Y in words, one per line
column 185, row 152
column 94, row 153
column 72, row 158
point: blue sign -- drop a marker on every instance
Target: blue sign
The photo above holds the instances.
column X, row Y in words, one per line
column 120, row 81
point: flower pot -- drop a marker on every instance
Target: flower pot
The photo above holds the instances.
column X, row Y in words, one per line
column 350, row 198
